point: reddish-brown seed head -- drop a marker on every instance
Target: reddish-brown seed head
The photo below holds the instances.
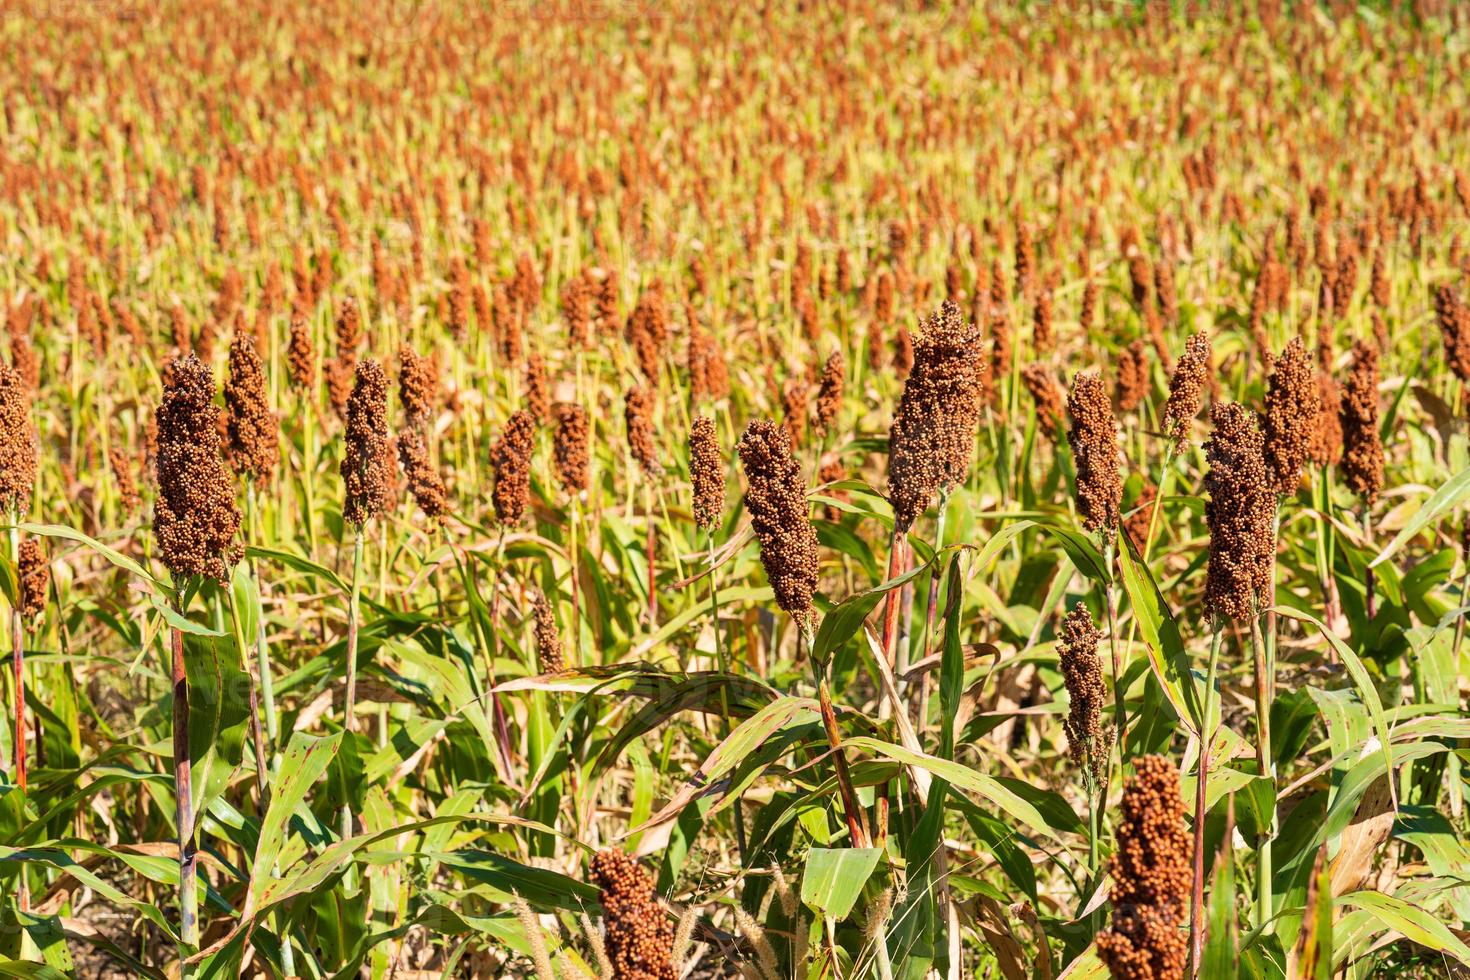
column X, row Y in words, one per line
column 1239, row 512
column 932, row 439
column 776, row 500
column 511, row 459
column 367, row 461
column 252, row 426
column 707, row 473
column 1362, row 455
column 1152, row 878
column 195, row 517
column 1094, row 441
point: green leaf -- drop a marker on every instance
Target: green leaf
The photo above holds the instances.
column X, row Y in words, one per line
column 1167, row 657
column 1220, row 960
column 180, row 622
column 111, row 554
column 848, row 616
column 1080, row 550
column 35, row 971
column 66, row 864
column 961, row 776
column 834, row 878
column 46, row 932
column 1414, row 923
column 744, row 741
column 219, row 710
column 1445, row 499
column 1360, row 677
column 302, row 763
column 300, row 563
column 951, row 664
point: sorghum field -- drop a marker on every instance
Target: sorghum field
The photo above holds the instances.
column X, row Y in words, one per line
column 644, row 489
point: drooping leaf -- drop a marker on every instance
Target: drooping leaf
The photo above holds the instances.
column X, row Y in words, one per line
column 834, row 878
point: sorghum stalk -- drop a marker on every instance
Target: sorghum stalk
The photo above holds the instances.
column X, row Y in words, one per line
column 722, row 657
column 242, row 647
column 1260, row 656
column 349, row 702
column 1110, row 596
column 195, row 522
column 262, row 649
column 852, row 809
column 17, row 650
column 183, row 795
column 1197, row 898
column 268, row 708
column 930, row 613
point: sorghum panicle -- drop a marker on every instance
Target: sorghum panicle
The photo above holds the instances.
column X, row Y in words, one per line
column 1186, row 389
column 707, row 473
column 638, row 934
column 1239, row 512
column 1292, row 404
column 195, row 517
column 776, row 500
column 1087, row 740
column 367, row 461
column 1152, row 878
column 511, row 459
column 932, row 438
column 1362, row 456
column 1094, row 441
column 253, row 430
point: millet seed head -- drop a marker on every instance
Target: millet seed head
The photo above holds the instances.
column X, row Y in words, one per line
column 829, row 392
column 418, row 386
column 1133, row 379
column 1292, row 404
column 707, row 473
column 17, row 441
column 932, row 439
column 1152, row 878
column 1042, row 385
column 549, row 658
column 1186, row 389
column 424, row 482
column 195, row 517
column 1087, row 741
column 638, row 934
column 1362, row 455
column 776, row 500
column 1094, row 441
column 300, row 354
column 638, row 417
column 570, row 447
column 252, row 428
column 1239, row 512
column 34, row 579
column 511, row 459
column 367, row 463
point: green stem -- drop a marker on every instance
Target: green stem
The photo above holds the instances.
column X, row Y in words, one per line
column 350, row 696
column 184, row 800
column 851, row 808
column 1263, row 761
column 1206, row 734
column 18, row 666
column 242, row 650
column 1110, row 593
column 723, row 659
